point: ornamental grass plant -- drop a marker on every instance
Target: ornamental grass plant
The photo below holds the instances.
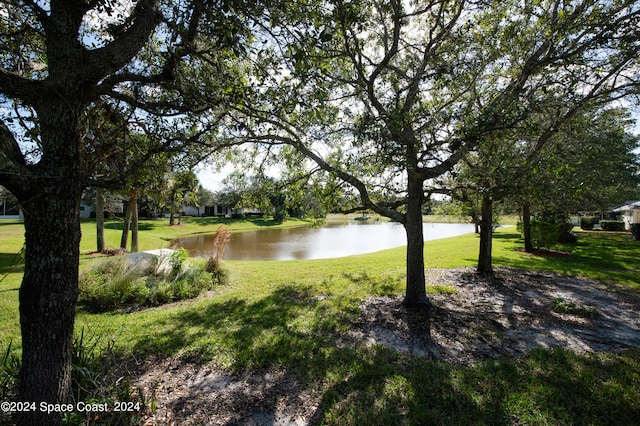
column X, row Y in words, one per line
column 113, row 284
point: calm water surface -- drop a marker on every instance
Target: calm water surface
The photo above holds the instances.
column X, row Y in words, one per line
column 332, row 240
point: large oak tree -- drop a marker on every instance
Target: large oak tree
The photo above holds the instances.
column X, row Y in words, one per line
column 388, row 95
column 57, row 58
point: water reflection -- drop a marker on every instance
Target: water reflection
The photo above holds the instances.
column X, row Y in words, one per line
column 333, row 240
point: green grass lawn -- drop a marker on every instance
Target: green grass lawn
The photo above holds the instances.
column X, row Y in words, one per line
column 288, row 314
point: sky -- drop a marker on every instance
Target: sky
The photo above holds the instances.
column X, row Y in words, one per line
column 212, row 179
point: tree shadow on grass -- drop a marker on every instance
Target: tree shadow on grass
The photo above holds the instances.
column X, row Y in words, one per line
column 6, row 222
column 11, row 262
column 213, row 220
column 287, row 347
column 378, row 285
column 548, row 387
column 288, row 331
column 143, row 225
column 294, row 332
column 556, row 387
column 254, row 333
column 506, row 236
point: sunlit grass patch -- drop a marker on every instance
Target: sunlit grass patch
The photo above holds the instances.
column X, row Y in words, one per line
column 441, row 289
column 563, row 306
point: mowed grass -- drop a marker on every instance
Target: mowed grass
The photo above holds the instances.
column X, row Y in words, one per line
column 11, row 270
column 291, row 314
column 611, row 257
column 153, row 234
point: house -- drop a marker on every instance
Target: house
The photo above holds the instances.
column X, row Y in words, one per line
column 630, row 213
column 9, row 208
column 86, row 210
column 193, row 211
column 89, row 211
column 219, row 210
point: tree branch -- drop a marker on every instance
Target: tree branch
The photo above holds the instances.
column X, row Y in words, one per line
column 350, row 179
column 112, row 57
column 12, row 163
column 17, row 87
column 37, row 9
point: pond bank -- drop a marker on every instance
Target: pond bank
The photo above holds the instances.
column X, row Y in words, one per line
column 334, row 239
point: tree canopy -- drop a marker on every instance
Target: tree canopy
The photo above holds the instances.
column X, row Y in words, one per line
column 58, row 59
column 390, row 95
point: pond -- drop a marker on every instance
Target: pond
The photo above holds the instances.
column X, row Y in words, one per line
column 330, row 241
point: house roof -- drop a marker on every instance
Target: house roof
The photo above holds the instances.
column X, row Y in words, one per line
column 635, row 205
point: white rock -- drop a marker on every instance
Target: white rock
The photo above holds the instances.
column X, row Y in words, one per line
column 151, row 260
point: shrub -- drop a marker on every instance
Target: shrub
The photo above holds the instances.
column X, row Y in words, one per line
column 190, row 283
column 112, row 285
column 9, row 369
column 635, row 231
column 587, row 223
column 565, row 233
column 92, row 381
column 280, row 216
column 543, row 234
column 177, row 259
column 612, row 225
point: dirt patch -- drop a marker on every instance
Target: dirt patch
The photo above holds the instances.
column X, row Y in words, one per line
column 191, row 394
column 519, row 311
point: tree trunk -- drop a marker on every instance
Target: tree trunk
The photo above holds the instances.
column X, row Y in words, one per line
column 485, row 266
column 526, row 226
column 100, row 220
column 50, row 198
column 48, row 297
column 416, row 294
column 124, row 240
column 172, row 215
column 134, row 221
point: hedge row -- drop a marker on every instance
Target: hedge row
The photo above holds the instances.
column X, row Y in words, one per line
column 612, row 225
column 587, row 223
